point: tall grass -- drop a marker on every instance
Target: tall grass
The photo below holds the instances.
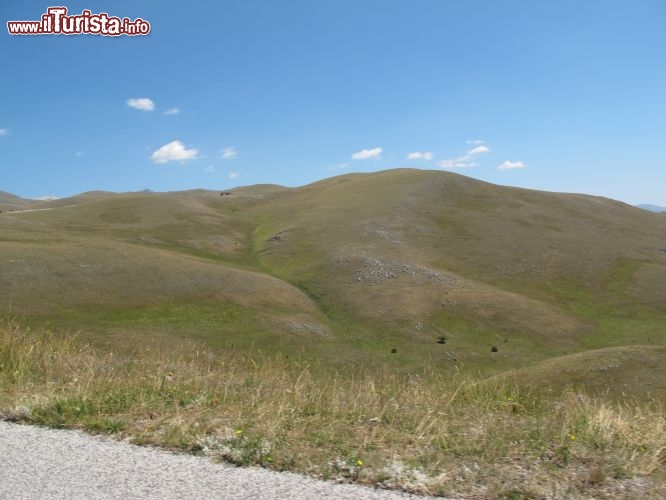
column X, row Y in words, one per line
column 421, row 432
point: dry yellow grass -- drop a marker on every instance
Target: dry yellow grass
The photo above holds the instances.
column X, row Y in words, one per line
column 420, row 432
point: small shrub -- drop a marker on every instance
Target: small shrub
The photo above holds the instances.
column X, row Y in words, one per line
column 597, row 475
column 517, row 494
column 104, row 426
column 494, row 349
column 441, row 339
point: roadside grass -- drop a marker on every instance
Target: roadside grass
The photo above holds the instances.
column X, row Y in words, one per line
column 425, row 432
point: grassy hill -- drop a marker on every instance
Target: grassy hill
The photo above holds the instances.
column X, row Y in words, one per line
column 10, row 202
column 412, row 329
column 347, row 269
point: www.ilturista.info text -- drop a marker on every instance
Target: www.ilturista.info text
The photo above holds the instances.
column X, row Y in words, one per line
column 57, row 22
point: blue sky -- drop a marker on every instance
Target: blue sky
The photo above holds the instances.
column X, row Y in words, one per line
column 566, row 95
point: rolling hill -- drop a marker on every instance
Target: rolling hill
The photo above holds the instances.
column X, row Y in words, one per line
column 347, row 269
column 10, row 202
column 652, row 208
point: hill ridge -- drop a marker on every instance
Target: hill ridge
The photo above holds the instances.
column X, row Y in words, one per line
column 366, row 263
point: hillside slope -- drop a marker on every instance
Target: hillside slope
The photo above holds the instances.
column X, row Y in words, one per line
column 348, row 268
column 9, row 202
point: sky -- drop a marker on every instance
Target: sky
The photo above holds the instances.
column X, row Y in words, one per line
column 565, row 96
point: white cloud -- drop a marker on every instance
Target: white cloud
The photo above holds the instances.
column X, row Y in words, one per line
column 234, row 175
column 142, row 103
column 460, row 162
column 229, row 153
column 466, row 161
column 171, row 111
column 508, row 165
column 174, row 151
column 210, row 169
column 79, row 154
column 48, row 197
column 478, row 150
column 364, row 154
column 416, row 155
column 4, row 131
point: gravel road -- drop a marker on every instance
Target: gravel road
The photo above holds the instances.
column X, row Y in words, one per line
column 39, row 463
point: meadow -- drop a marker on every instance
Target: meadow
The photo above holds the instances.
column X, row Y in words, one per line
column 423, row 432
column 410, row 329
